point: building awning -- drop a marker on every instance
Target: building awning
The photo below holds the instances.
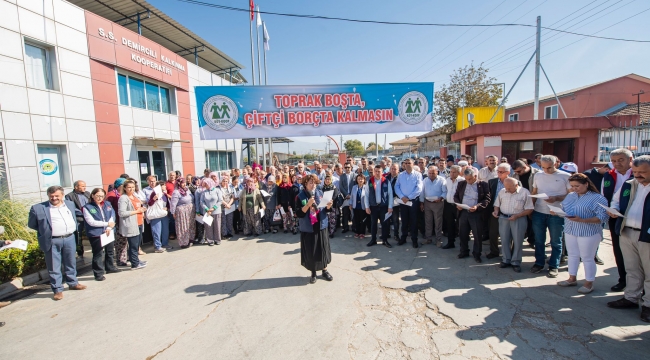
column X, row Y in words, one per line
column 165, row 31
column 154, row 139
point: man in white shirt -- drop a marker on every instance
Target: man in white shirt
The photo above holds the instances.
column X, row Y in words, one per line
column 55, row 224
column 432, row 197
column 490, row 169
column 633, row 202
column 450, row 213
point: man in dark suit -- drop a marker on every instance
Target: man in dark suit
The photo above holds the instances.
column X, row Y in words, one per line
column 474, row 196
column 80, row 197
column 346, row 182
column 392, row 177
column 495, row 185
column 55, row 224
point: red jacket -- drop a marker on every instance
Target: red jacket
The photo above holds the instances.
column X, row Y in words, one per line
column 170, row 187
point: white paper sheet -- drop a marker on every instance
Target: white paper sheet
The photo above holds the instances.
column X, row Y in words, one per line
column 388, row 215
column 261, row 213
column 16, row 244
column 558, row 211
column 612, row 210
column 158, row 191
column 208, row 219
column 291, row 213
column 282, row 211
column 539, row 196
column 463, row 206
column 199, row 218
column 264, row 193
column 327, row 197
column 398, row 201
column 107, row 239
column 228, row 211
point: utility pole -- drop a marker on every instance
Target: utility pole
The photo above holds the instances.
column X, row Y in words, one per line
column 537, row 63
column 638, row 101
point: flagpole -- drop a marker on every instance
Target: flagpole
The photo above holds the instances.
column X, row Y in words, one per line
column 259, row 60
column 265, row 71
column 252, row 54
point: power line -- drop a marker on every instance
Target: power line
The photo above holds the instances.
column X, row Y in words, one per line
column 320, row 17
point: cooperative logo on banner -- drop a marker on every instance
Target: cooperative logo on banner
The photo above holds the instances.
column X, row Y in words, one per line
column 48, row 166
column 413, row 107
column 220, row 113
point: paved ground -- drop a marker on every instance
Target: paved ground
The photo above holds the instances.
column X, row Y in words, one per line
column 250, row 299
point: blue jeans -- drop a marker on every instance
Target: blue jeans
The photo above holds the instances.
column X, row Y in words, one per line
column 160, row 232
column 555, row 225
column 62, row 252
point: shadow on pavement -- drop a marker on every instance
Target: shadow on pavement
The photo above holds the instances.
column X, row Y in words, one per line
column 231, row 288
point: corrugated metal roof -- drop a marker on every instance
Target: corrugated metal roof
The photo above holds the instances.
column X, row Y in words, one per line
column 163, row 30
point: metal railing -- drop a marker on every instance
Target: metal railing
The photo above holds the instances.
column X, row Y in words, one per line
column 628, row 135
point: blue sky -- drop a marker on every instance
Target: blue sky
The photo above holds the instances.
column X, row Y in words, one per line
column 308, row 51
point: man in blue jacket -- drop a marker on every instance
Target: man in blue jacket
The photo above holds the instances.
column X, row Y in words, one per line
column 55, row 224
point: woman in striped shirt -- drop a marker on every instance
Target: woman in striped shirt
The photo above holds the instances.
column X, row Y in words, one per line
column 583, row 229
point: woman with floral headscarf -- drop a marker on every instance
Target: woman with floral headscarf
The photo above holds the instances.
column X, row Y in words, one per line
column 182, row 206
column 328, row 185
column 296, row 187
column 271, row 204
column 211, row 200
column 120, row 241
column 250, row 203
column 285, row 200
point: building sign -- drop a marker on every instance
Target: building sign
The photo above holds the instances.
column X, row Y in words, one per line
column 466, row 117
column 227, row 112
column 116, row 45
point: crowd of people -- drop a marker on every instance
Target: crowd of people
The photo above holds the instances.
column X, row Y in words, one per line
column 502, row 204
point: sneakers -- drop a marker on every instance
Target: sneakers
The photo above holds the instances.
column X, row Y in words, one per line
column 140, row 266
column 160, row 250
column 168, row 247
column 536, row 269
column 552, row 273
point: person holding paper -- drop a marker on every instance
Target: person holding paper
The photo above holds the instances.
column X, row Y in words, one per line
column 511, row 208
column 583, row 229
column 432, row 203
column 284, row 201
column 182, row 208
column 229, row 193
column 359, row 205
column 328, row 185
column 99, row 218
column 392, row 177
column 380, row 199
column 408, row 187
column 131, row 217
column 474, row 195
column 160, row 226
column 633, row 202
column 555, row 184
column 490, row 223
column 270, row 204
column 346, row 182
column 211, row 201
column 315, row 252
column 450, row 213
column 55, row 224
column 250, row 203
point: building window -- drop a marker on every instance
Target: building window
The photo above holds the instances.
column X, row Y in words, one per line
column 550, row 112
column 423, row 140
column 440, row 142
column 39, row 63
column 513, row 117
column 53, row 165
column 219, row 160
column 645, row 143
column 144, row 95
column 606, row 140
column 526, row 146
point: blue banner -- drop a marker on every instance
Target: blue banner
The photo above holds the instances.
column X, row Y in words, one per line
column 233, row 112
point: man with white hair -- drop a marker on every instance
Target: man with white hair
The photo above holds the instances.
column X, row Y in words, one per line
column 555, row 185
column 492, row 223
column 474, row 195
column 432, row 204
column 612, row 181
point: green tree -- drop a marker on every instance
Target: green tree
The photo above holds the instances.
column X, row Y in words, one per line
column 371, row 146
column 294, row 152
column 470, row 86
column 354, row 147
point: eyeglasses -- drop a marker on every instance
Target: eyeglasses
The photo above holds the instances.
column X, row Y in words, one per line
column 503, row 172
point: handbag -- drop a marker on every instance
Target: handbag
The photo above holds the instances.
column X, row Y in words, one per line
column 156, row 211
column 277, row 216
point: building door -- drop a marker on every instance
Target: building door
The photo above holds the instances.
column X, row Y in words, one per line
column 152, row 162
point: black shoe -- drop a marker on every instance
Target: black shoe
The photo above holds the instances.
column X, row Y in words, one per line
column 121, row 264
column 448, row 246
column 462, row 256
column 536, row 269
column 2, row 323
column 312, row 279
column 332, row 236
column 101, row 278
column 623, row 304
column 516, row 268
column 184, row 246
column 598, row 260
column 396, row 238
column 372, row 243
column 531, row 244
column 504, row 265
column 416, row 245
column 113, row 271
column 387, row 244
column 295, row 231
column 563, row 259
column 478, row 259
column 344, row 231
column 491, row 256
column 400, row 243
column 619, row 287
column 286, row 231
column 327, row 275
column 645, row 313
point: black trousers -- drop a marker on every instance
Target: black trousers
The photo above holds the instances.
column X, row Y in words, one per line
column 78, row 239
column 147, row 235
column 410, row 220
column 395, row 217
column 237, row 221
column 530, row 235
column 618, row 255
column 470, row 221
column 100, row 265
column 450, row 218
column 347, row 214
column 358, row 223
column 421, row 225
column 378, row 213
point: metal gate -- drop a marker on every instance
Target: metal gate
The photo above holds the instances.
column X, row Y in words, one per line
column 627, row 135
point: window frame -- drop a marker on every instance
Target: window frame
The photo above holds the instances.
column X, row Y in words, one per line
column 551, row 107
column 51, row 76
column 510, row 117
column 171, row 92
